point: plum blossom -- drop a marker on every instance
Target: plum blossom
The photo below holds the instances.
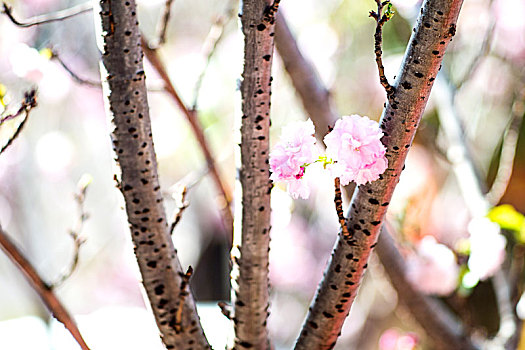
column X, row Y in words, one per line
column 292, row 154
column 487, row 248
column 356, row 149
column 433, row 269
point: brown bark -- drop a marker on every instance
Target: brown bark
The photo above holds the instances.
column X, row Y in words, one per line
column 440, row 327
column 435, row 28
column 251, row 292
column 162, row 274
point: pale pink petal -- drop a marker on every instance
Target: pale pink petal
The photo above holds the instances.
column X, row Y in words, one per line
column 432, row 269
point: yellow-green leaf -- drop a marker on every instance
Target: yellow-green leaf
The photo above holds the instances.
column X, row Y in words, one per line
column 507, row 217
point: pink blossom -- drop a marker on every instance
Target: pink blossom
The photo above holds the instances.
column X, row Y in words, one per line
column 355, row 146
column 487, row 248
column 291, row 155
column 393, row 339
column 433, row 268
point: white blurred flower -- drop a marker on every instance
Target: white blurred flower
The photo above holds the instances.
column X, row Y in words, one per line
column 432, row 269
column 54, row 153
column 26, row 62
column 487, row 248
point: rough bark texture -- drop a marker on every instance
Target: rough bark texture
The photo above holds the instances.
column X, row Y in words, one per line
column 438, row 325
column 251, row 291
column 435, row 28
column 126, row 98
column 444, row 331
column 313, row 94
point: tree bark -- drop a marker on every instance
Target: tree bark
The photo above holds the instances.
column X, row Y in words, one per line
column 439, row 325
column 251, row 257
column 126, row 99
column 435, row 28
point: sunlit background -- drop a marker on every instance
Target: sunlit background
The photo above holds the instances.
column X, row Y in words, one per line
column 67, row 136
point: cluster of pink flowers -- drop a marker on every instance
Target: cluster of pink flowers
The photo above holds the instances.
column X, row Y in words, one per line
column 354, row 153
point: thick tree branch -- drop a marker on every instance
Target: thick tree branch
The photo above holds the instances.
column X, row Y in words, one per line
column 311, row 89
column 49, row 17
column 193, row 120
column 42, row 288
column 251, row 257
column 125, row 88
column 435, row 28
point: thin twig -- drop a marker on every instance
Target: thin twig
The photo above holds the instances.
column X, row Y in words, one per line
column 27, row 105
column 508, row 151
column 74, row 75
column 209, row 47
column 42, row 288
column 163, row 23
column 483, row 52
column 381, row 18
column 75, row 233
column 184, row 292
column 48, row 17
column 182, row 205
column 192, row 118
column 338, row 200
column 226, row 309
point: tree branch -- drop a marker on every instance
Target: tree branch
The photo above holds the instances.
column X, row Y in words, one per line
column 435, row 28
column 311, row 89
column 338, row 199
column 193, row 120
column 315, row 97
column 74, row 75
column 26, row 106
column 440, row 326
column 381, row 18
column 49, row 17
column 125, row 89
column 42, row 289
column 251, row 257
column 75, row 233
column 163, row 23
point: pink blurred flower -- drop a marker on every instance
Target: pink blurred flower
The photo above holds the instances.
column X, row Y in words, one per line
column 291, row 155
column 392, row 339
column 355, row 146
column 487, row 248
column 433, row 269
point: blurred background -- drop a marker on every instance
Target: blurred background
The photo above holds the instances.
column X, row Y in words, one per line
column 482, row 83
